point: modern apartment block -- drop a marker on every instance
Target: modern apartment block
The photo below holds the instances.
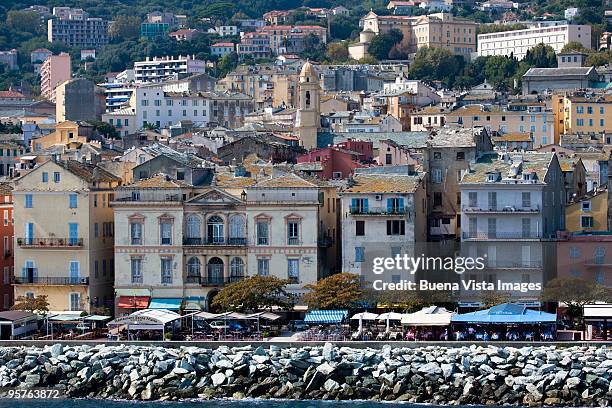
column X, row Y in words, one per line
column 456, row 34
column 383, row 215
column 54, row 70
column 64, row 235
column 518, row 42
column 511, row 209
column 78, row 30
column 159, row 69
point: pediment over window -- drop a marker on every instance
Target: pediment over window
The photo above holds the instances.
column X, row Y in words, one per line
column 293, row 216
column 263, row 217
column 214, row 196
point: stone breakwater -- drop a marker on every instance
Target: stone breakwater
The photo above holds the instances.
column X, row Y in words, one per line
column 538, row 375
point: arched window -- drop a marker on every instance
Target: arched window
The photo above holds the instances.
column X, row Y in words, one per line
column 237, row 233
column 308, row 99
column 193, row 233
column 236, row 269
column 193, row 267
column 215, row 271
column 216, row 233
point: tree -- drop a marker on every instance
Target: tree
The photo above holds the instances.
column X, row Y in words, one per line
column 254, row 293
column 573, row 46
column 227, row 63
column 382, row 44
column 24, row 21
column 339, row 291
column 541, row 56
column 105, row 129
column 492, row 298
column 125, row 28
column 314, row 49
column 499, row 69
column 337, row 51
column 38, row 304
column 436, row 64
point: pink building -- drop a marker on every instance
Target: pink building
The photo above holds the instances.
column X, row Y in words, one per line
column 365, row 148
column 335, row 162
column 55, row 70
column 585, row 256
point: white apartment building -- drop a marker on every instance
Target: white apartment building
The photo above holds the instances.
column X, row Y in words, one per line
column 152, row 105
column 518, row 42
column 510, row 207
column 116, row 94
column 74, row 28
column 384, row 214
column 158, row 69
column 227, row 31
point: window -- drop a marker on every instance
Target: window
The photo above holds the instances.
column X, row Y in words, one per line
column 589, row 110
column 600, row 254
column 6, row 276
column 293, row 233
column 28, row 201
column 263, row 232
column 136, row 233
column 579, row 109
column 136, row 270
column 359, row 254
column 473, row 199
column 526, row 199
column 436, row 175
column 56, row 177
column 579, row 122
column 526, row 227
column 263, row 266
column 360, row 228
column 72, row 201
column 359, row 205
column 437, row 155
column 45, row 177
column 193, row 232
column 293, row 270
column 492, row 227
column 73, row 231
column 194, row 267
column 388, row 158
column 166, row 270
column 216, row 230
column 396, row 227
column 437, row 201
column 492, row 198
column 460, row 155
column 75, row 301
column 574, row 252
column 165, row 232
column 6, row 217
column 395, row 205
column 96, row 230
column 586, row 221
column 586, row 206
column 237, row 268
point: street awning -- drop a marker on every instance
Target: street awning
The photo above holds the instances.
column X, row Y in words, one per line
column 598, row 311
column 146, row 317
column 69, row 317
column 428, row 316
column 133, row 292
column 133, row 302
column 326, row 316
column 506, row 313
column 389, row 316
column 166, row 303
column 97, row 318
column 265, row 316
column 364, row 316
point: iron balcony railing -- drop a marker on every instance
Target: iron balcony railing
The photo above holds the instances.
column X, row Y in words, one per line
column 214, row 241
column 50, row 242
column 502, row 235
column 50, row 280
column 212, row 280
column 500, row 209
column 377, row 211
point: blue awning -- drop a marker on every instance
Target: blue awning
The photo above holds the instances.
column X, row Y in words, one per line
column 326, row 316
column 166, row 303
column 505, row 313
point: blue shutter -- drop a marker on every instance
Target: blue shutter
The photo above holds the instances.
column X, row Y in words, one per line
column 74, row 272
column 353, row 204
column 401, row 205
column 389, row 205
column 365, row 205
column 73, row 201
column 29, row 233
column 74, row 233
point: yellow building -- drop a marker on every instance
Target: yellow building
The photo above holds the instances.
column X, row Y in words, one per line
column 588, row 214
column 65, row 133
column 64, row 232
column 581, row 113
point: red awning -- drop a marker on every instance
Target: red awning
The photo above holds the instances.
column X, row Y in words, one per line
column 133, row 302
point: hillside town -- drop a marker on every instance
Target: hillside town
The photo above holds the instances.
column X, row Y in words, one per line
column 282, row 151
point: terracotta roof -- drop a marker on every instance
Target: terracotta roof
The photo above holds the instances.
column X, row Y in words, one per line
column 159, row 181
column 6, row 188
column 228, row 179
column 88, row 172
column 384, row 183
column 11, row 94
column 286, row 180
column 223, row 44
column 567, row 164
column 513, row 137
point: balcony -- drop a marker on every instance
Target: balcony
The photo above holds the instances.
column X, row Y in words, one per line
column 509, row 209
column 50, row 281
column 215, row 241
column 50, row 242
column 377, row 211
column 518, row 235
column 598, row 262
column 212, row 280
column 527, row 264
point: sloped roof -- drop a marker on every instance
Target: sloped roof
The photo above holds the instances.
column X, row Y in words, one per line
column 286, row 180
column 384, row 183
column 159, row 180
column 88, row 172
